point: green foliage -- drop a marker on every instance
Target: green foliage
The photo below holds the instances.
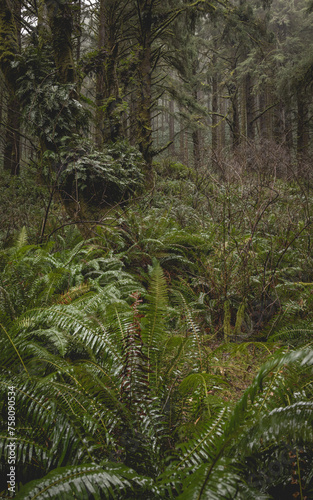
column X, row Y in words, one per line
column 107, row 481
column 106, row 369
column 22, row 203
column 134, row 354
column 50, row 109
column 108, row 176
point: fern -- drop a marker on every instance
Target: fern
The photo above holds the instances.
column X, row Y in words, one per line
column 218, row 453
column 81, row 482
column 153, row 326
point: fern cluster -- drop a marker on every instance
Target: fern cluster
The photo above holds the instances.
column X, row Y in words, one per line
column 118, row 394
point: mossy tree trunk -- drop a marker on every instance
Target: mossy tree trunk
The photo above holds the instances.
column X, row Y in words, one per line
column 100, row 87
column 10, row 13
column 144, row 81
column 108, row 119
column 60, row 17
column 61, row 22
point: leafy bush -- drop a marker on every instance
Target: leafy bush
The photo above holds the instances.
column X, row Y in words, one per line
column 102, row 177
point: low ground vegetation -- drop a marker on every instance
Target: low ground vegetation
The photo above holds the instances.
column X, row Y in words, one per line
column 169, row 355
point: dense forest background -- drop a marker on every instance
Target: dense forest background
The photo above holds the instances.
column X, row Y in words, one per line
column 156, row 260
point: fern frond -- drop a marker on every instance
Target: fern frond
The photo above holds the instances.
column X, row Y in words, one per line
column 203, row 448
column 153, row 332
column 293, row 423
column 224, row 483
column 78, row 482
column 22, row 238
column 205, row 381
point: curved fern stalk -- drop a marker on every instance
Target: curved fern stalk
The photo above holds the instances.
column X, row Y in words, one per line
column 203, row 448
column 293, row 333
column 194, row 454
column 70, row 428
column 292, row 423
column 86, row 385
column 39, row 426
column 33, row 409
column 15, row 348
column 225, row 483
column 73, row 320
column 82, row 482
column 66, row 426
column 80, row 247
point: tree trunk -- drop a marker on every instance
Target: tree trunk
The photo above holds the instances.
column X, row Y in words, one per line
column 181, row 135
column 269, row 115
column 215, row 110
column 11, row 161
column 221, row 127
column 279, row 126
column 133, row 118
column 302, row 127
column 186, row 154
column 249, row 107
column 235, row 123
column 171, row 126
column 61, row 25
column 144, row 74
column 196, row 144
column 262, row 123
column 99, row 115
column 288, row 126
column 10, row 38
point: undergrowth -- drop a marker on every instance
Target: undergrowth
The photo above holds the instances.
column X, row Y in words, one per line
column 170, row 355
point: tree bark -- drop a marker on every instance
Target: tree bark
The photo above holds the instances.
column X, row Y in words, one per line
column 215, row 110
column 61, row 25
column 249, row 107
column 144, row 87
column 10, row 13
column 99, row 115
column 12, row 155
column 234, row 123
column 171, row 126
column 196, row 144
column 302, row 127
